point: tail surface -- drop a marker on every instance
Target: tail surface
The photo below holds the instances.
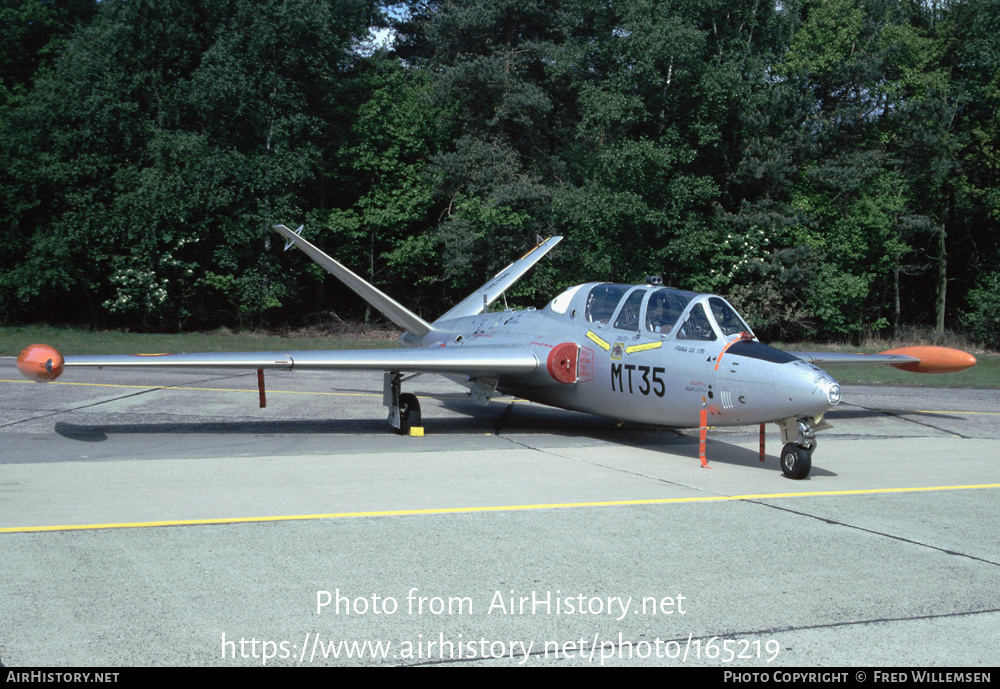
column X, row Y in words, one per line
column 477, row 302
column 392, row 309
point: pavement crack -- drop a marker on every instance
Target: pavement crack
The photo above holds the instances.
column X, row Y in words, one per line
column 619, row 470
column 872, row 620
column 535, row 449
column 82, row 406
column 834, row 522
column 903, row 417
column 125, row 397
column 681, row 641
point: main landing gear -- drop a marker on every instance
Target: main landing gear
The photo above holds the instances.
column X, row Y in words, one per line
column 404, row 408
column 799, row 438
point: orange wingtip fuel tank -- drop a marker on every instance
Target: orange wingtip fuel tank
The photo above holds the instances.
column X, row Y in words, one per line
column 40, row 363
column 934, row 359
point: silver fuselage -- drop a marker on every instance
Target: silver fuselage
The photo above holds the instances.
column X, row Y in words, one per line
column 639, row 375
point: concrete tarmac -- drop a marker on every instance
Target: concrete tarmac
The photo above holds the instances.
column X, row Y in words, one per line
column 162, row 518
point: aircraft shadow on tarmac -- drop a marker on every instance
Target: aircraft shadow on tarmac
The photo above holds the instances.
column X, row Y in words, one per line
column 520, row 417
column 503, row 418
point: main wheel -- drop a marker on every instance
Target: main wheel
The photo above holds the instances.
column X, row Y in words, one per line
column 795, row 461
column 409, row 412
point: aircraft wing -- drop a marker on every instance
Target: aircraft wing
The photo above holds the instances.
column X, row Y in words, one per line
column 920, row 359
column 42, row 363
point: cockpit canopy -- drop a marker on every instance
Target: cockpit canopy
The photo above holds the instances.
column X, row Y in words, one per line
column 652, row 311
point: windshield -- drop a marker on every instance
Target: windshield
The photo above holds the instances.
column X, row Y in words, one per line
column 664, row 308
column 729, row 321
column 697, row 326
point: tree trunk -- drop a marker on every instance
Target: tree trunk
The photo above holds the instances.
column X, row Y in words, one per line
column 896, row 306
column 942, row 282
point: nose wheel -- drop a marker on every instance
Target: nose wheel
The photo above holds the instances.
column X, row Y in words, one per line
column 795, row 461
column 799, row 436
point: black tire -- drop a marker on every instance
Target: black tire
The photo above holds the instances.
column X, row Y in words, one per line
column 409, row 412
column 795, row 461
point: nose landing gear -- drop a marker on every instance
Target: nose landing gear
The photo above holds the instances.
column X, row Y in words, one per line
column 796, row 454
column 795, row 461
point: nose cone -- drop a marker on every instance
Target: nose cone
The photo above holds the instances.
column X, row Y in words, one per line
column 811, row 389
column 759, row 384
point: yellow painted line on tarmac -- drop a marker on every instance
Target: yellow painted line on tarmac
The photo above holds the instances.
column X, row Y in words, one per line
column 925, row 411
column 247, row 390
column 498, row 508
column 182, row 387
column 833, row 412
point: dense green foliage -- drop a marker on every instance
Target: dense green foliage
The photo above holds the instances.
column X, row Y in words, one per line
column 831, row 166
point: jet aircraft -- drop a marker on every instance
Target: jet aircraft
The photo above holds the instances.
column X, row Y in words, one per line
column 643, row 353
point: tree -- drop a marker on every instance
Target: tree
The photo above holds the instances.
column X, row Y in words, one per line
column 149, row 164
column 493, row 180
column 386, row 211
column 34, row 32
